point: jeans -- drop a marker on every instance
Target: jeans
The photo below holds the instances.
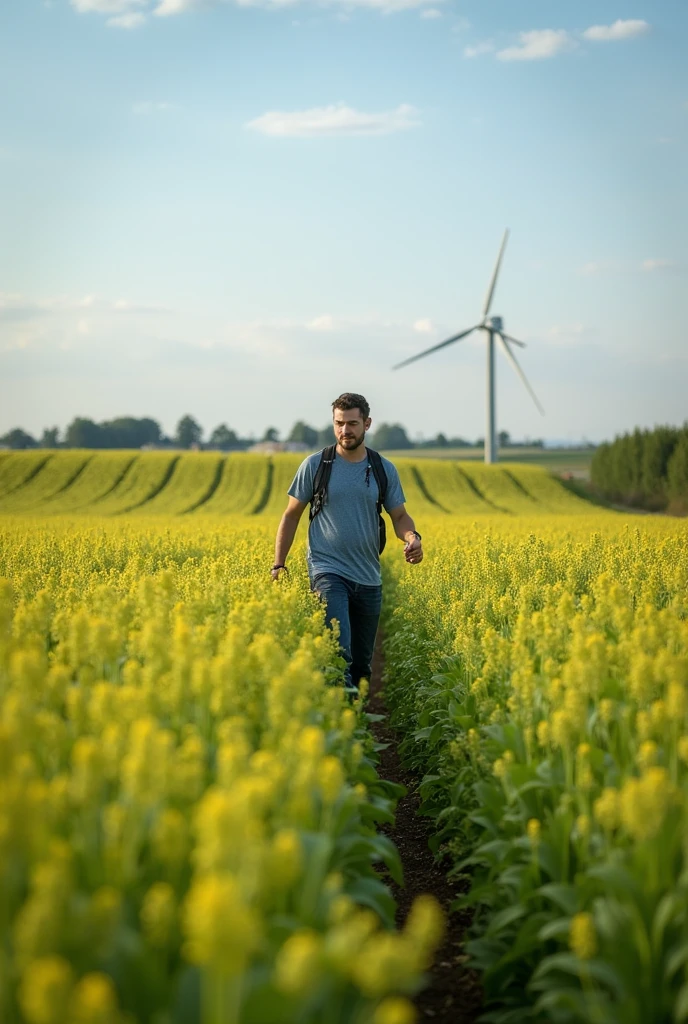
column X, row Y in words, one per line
column 357, row 609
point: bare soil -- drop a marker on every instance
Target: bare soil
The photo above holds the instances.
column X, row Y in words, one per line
column 453, row 994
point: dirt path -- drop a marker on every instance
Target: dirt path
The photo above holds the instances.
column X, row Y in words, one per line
column 453, row 995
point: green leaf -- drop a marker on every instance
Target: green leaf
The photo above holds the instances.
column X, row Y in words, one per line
column 507, row 1016
column 617, row 878
column 564, row 896
column 370, row 892
column 567, row 963
column 677, row 958
column 670, row 906
column 186, row 1005
column 387, row 852
column 504, row 918
column 681, row 1007
column 558, row 929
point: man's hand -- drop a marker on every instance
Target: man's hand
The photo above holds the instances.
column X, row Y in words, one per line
column 413, row 550
column 275, row 573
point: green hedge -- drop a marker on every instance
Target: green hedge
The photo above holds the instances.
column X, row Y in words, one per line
column 648, row 468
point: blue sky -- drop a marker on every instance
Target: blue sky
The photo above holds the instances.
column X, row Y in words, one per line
column 239, row 210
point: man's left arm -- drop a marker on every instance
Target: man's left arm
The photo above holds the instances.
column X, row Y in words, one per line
column 405, row 530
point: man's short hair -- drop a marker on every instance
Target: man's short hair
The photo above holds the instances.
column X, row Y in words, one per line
column 349, row 400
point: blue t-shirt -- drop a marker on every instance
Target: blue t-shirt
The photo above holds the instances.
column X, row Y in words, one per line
column 344, row 536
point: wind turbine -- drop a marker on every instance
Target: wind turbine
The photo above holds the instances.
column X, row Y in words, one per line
column 493, row 326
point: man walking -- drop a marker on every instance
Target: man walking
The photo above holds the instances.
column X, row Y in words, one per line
column 346, row 486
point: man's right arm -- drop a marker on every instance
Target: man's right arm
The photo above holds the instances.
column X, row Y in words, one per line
column 286, row 532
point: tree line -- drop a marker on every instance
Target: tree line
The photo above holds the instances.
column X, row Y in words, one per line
column 129, row 432
column 645, row 468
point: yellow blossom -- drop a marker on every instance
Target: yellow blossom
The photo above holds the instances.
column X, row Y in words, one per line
column 298, row 962
column 94, row 1001
column 582, row 936
column 645, row 802
column 221, row 930
column 607, row 809
column 158, row 914
column 45, row 990
column 533, row 829
column 395, row 1010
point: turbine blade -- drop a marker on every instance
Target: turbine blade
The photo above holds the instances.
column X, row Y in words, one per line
column 442, row 344
column 493, row 282
column 512, row 359
column 514, row 341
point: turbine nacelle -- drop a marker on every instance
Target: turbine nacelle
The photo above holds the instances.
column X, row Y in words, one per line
column 495, row 323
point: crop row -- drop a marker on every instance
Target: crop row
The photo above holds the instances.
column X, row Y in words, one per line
column 188, row 804
column 538, row 672
column 207, row 483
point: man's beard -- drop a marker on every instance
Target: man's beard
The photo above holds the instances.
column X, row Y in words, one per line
column 352, row 447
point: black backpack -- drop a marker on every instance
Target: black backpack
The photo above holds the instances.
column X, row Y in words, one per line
column 322, row 479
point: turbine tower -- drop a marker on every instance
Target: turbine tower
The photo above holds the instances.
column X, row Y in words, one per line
column 493, row 327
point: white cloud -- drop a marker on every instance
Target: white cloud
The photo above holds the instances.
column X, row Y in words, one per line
column 335, row 120
column 423, row 326
column 111, row 7
column 430, row 13
column 618, row 30
column 132, row 20
column 321, row 323
column 131, row 13
column 16, row 306
column 657, row 264
column 479, row 49
column 171, row 7
column 150, row 107
column 460, row 24
column 167, row 7
column 539, row 44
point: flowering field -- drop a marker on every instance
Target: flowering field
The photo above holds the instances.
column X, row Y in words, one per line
column 538, row 669
column 189, row 807
column 105, row 483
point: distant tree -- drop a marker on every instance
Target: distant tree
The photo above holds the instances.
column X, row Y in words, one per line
column 641, row 468
column 222, row 437
column 504, row 438
column 325, row 436
column 440, row 441
column 49, row 438
column 628, row 466
column 271, row 434
column 658, row 448
column 304, row 434
column 129, row 432
column 18, row 438
column 677, row 470
column 391, row 436
column 83, row 433
column 188, row 432
column 480, row 443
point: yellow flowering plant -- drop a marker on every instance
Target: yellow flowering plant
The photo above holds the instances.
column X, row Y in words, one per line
column 561, row 643
column 185, row 792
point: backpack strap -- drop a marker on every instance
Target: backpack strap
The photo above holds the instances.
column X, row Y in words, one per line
column 321, row 480
column 380, row 477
